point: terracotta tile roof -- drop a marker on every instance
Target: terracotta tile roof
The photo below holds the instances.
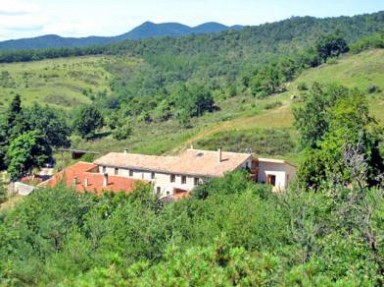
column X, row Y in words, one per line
column 82, row 171
column 191, row 162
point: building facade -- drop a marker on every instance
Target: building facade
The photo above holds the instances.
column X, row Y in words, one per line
column 170, row 176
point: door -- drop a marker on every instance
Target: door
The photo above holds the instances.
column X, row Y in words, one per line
column 271, row 179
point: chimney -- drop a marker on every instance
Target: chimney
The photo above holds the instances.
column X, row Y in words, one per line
column 105, row 183
column 86, row 183
column 191, row 147
column 220, row 155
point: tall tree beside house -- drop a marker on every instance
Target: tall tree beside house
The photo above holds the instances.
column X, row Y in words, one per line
column 16, row 123
column 11, row 123
column 14, row 110
column 88, row 120
column 311, row 119
column 27, row 151
column 336, row 127
column 3, row 142
column 51, row 123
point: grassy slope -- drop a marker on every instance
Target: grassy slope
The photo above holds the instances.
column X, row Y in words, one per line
column 354, row 71
column 59, row 82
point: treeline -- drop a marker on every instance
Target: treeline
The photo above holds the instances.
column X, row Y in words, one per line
column 52, row 53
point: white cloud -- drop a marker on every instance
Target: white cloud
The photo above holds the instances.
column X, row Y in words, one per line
column 22, row 22
column 19, row 19
column 17, row 7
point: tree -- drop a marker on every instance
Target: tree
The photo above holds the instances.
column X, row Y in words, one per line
column 88, row 120
column 51, row 124
column 195, row 100
column 311, row 120
column 332, row 128
column 14, row 109
column 3, row 142
column 331, row 45
column 26, row 152
column 352, row 128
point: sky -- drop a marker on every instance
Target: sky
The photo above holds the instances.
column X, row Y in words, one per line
column 79, row 18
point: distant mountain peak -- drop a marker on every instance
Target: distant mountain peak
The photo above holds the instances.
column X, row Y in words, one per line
column 148, row 29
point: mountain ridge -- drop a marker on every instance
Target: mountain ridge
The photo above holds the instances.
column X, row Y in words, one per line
column 146, row 30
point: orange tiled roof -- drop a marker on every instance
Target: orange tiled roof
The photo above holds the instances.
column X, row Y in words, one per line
column 191, row 162
column 82, row 171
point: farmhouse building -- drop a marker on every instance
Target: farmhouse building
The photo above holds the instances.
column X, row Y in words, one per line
column 172, row 176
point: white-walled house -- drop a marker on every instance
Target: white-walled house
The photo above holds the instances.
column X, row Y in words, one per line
column 277, row 173
column 177, row 175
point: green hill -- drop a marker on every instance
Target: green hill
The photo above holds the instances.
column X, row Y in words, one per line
column 64, row 83
column 364, row 71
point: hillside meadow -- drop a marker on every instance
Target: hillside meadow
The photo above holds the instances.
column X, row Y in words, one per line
column 64, row 83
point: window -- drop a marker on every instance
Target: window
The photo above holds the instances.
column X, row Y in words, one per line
column 130, row 172
column 104, row 169
column 183, row 179
column 152, row 175
column 116, row 171
column 196, row 181
column 158, row 190
column 173, row 178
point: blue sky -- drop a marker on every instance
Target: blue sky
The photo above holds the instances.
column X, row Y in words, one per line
column 77, row 18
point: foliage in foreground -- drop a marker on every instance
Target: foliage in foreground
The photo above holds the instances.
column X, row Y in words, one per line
column 236, row 234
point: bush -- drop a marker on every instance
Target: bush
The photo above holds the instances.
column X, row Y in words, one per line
column 372, row 89
column 273, row 105
column 302, row 86
column 3, row 192
column 122, row 133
